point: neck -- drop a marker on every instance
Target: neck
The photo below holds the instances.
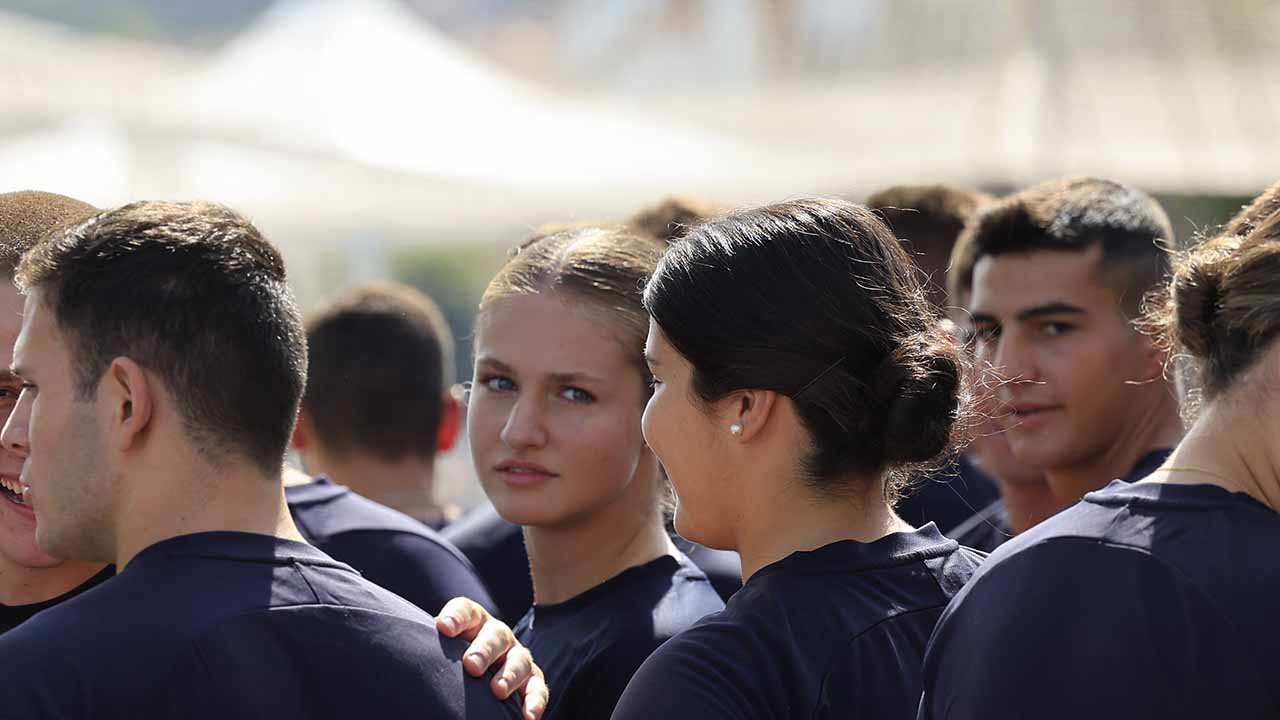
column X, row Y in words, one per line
column 569, row 559
column 22, row 585
column 789, row 518
column 408, row 484
column 1161, row 427
column 200, row 498
column 1028, row 503
column 1231, row 449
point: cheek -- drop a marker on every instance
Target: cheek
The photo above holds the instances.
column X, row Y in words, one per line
column 656, row 420
column 647, row 425
column 485, row 419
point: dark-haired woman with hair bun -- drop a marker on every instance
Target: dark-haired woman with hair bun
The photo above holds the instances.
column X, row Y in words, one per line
column 1153, row 599
column 799, row 369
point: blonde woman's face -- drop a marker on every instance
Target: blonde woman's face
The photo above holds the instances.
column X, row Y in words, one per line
column 554, row 415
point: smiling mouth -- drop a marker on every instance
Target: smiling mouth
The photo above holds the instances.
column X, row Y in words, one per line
column 13, row 491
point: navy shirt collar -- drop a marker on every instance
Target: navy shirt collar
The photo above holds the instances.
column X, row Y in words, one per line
column 851, row 556
column 227, row 545
column 321, row 489
column 1200, row 496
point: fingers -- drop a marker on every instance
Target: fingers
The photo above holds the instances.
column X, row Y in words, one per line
column 513, row 673
column 536, row 695
column 461, row 617
column 489, row 646
column 494, row 645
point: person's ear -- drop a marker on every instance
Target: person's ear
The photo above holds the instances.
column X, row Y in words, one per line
column 129, row 395
column 303, row 432
column 748, row 412
column 450, row 424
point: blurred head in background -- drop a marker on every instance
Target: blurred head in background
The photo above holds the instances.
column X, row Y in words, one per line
column 672, row 217
column 928, row 219
column 377, row 407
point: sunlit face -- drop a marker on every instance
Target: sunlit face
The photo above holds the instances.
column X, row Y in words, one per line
column 554, row 415
column 58, row 434
column 17, row 519
column 1067, row 357
column 989, row 447
column 690, row 441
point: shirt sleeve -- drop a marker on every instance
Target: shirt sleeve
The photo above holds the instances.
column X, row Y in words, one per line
column 1075, row 628
column 411, row 566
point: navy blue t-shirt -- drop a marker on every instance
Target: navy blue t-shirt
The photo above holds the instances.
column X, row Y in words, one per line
column 1144, row 600
column 496, row 549
column 237, row 625
column 949, row 496
column 13, row 615
column 388, row 547
column 985, row 531
column 990, row 527
column 590, row 645
column 722, row 567
column 838, row 632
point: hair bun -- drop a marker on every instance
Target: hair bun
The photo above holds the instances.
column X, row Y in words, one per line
column 1197, row 296
column 922, row 404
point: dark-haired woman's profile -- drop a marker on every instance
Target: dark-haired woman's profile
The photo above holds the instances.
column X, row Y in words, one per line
column 798, row 368
column 1152, row 599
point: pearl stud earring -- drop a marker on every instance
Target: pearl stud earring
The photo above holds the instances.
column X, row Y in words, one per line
column 735, row 429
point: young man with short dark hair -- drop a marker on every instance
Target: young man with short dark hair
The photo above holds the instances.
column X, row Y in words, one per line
column 162, row 360
column 1059, row 276
column 375, row 412
column 377, row 407
column 1060, row 273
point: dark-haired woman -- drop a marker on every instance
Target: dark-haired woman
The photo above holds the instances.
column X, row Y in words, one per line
column 798, row 368
column 1154, row 599
column 554, row 426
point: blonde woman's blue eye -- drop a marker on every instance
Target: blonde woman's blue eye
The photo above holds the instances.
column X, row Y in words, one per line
column 499, row 384
column 577, row 395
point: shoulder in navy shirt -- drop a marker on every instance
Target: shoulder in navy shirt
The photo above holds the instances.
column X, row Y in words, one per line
column 496, row 549
column 388, row 547
column 948, row 496
column 225, row 624
column 1144, row 600
column 838, row 632
column 590, row 645
column 722, row 567
column 990, row 528
column 985, row 531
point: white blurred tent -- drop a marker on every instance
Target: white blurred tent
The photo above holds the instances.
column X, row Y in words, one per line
column 329, row 119
column 371, row 81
